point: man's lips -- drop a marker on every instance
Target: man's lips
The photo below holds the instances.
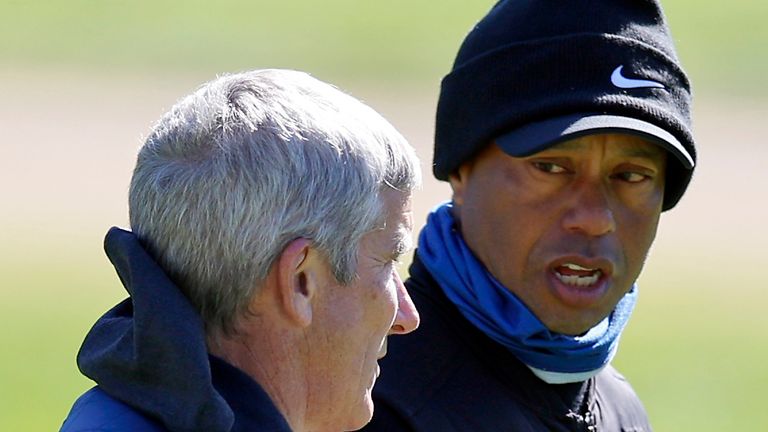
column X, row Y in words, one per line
column 581, row 271
column 580, row 281
column 576, row 275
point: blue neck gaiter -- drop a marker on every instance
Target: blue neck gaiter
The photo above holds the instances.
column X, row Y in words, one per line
column 495, row 310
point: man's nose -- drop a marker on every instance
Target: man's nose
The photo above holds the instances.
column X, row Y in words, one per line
column 590, row 212
column 407, row 317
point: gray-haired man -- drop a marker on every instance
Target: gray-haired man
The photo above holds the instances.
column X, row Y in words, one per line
column 267, row 210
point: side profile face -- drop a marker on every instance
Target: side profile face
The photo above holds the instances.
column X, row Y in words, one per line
column 567, row 229
column 352, row 321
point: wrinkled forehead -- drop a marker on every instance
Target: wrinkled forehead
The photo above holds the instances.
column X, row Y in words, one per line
column 395, row 227
column 398, row 207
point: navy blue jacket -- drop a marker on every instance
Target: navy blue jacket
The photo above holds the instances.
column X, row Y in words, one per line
column 448, row 376
column 149, row 359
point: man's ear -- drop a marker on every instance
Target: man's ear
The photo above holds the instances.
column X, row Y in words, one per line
column 458, row 181
column 298, row 274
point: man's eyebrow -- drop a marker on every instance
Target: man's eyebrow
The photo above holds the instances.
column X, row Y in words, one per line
column 569, row 145
column 652, row 151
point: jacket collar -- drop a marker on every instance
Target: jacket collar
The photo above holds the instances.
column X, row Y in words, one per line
column 150, row 352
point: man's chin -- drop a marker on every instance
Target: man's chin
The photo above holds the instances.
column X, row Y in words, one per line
column 363, row 414
column 575, row 323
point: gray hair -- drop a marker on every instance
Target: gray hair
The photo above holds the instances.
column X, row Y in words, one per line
column 250, row 162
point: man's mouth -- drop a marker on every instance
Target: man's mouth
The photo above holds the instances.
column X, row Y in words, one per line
column 575, row 275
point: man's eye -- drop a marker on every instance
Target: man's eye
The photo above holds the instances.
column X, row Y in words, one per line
column 393, row 261
column 549, row 167
column 632, row 177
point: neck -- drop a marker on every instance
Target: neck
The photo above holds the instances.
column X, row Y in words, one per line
column 271, row 359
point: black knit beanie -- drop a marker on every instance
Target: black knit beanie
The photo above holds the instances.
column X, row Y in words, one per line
column 533, row 73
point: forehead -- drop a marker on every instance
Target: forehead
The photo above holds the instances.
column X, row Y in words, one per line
column 394, row 230
column 618, row 144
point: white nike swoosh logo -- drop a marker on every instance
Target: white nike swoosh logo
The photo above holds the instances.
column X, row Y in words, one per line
column 621, row 81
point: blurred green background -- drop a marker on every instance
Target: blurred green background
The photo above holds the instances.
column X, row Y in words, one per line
column 82, row 81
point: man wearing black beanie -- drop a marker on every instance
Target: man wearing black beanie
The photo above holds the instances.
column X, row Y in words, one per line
column 564, row 131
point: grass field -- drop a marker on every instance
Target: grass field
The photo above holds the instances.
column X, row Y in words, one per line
column 722, row 44
column 81, row 83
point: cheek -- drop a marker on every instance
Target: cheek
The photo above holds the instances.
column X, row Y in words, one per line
column 377, row 307
column 638, row 233
column 484, row 219
column 507, row 204
column 503, row 248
